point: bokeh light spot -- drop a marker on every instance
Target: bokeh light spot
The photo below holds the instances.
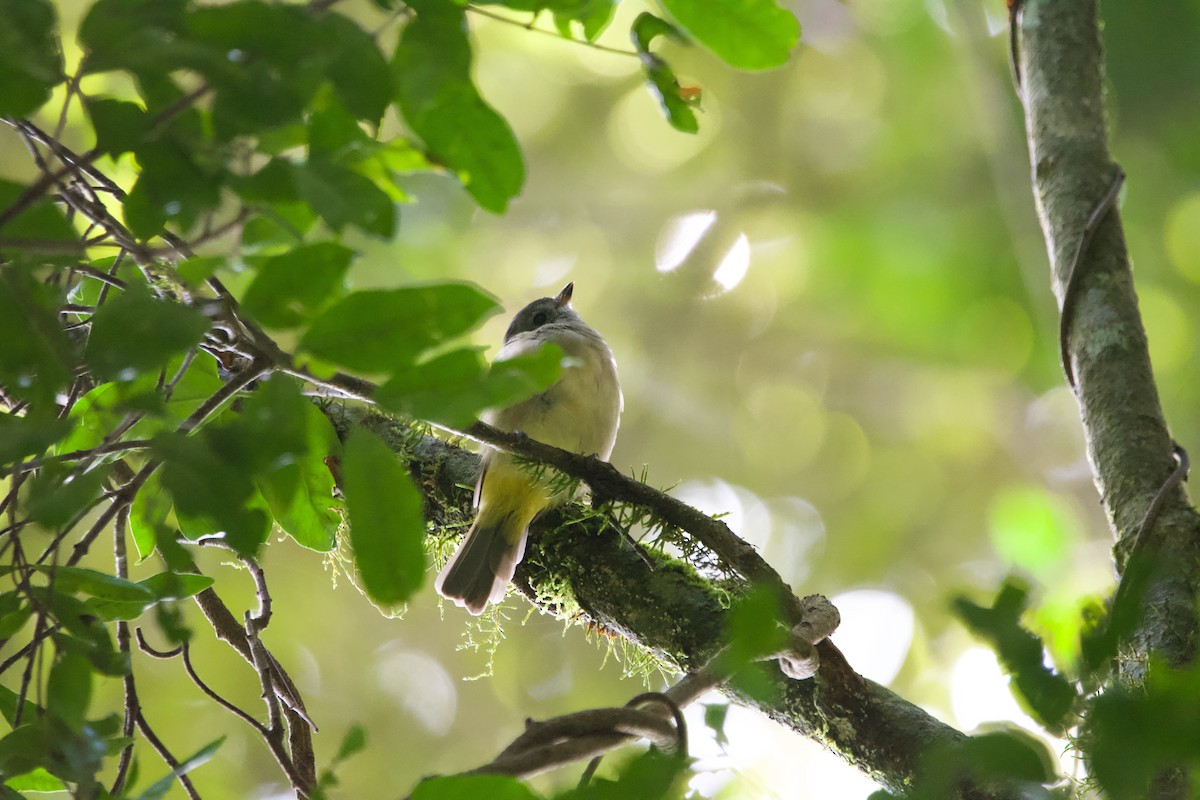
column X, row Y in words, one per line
column 641, row 137
column 797, row 529
column 774, row 448
column 1182, row 236
column 679, row 238
column 420, row 685
column 734, row 264
column 979, row 692
column 996, row 332
column 955, row 414
column 1168, row 328
column 1032, row 528
column 876, row 632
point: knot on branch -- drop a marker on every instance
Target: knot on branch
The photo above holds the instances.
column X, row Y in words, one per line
column 819, row 618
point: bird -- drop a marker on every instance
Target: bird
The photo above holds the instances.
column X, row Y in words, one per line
column 580, row 412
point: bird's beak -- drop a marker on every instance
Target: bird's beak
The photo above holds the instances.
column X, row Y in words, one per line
column 564, row 297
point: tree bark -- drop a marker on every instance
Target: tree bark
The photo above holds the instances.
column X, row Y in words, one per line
column 1129, row 445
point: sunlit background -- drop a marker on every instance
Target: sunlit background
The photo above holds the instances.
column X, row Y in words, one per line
column 832, row 315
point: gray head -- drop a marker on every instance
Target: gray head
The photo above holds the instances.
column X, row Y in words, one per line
column 544, row 311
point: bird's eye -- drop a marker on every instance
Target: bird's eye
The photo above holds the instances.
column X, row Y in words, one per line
column 540, row 318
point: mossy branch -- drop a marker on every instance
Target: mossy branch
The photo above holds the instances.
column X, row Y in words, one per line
column 680, row 617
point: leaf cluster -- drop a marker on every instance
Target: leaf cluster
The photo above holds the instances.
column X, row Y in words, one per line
column 143, row 402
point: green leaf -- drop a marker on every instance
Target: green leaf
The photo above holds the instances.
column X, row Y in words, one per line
column 176, row 585
column 454, row 387
column 659, row 76
column 29, row 436
column 386, row 522
column 79, row 621
column 381, row 330
column 1011, row 754
column 172, row 187
column 274, row 183
column 132, row 34
column 31, row 61
column 714, row 720
column 360, row 74
column 516, row 379
column 384, row 162
column 69, row 688
column 649, row 774
column 447, row 389
column 269, row 430
column 272, row 62
column 754, row 631
column 355, row 741
column 290, row 289
column 148, row 517
column 212, row 491
column 119, row 124
column 343, row 197
column 198, row 269
column 332, row 130
column 472, row 787
column 14, row 614
column 37, row 780
column 36, row 360
column 1005, row 757
column 1047, row 695
column 24, row 749
column 432, row 64
column 41, row 220
column 134, row 333
column 594, row 15
column 57, row 495
column 165, row 586
column 97, row 584
column 170, row 621
column 301, row 494
column 159, row 788
column 8, row 705
column 106, row 405
column 1134, row 733
column 746, row 34
column 283, row 229
column 96, row 415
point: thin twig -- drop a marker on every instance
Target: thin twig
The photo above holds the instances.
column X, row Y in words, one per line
column 132, row 706
column 38, row 189
column 104, row 277
column 218, row 699
column 153, row 652
column 77, row 455
column 36, row 640
column 1178, row 475
column 165, row 755
column 529, row 26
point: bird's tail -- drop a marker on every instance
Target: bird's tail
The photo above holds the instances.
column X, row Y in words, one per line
column 479, row 572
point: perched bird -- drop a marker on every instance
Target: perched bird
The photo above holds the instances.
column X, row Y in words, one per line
column 580, row 412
